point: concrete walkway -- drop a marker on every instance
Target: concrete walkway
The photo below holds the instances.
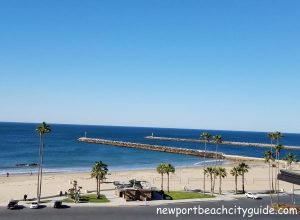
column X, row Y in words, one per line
column 115, row 201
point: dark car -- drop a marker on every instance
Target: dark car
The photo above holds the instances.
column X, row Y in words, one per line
column 57, row 204
column 12, row 204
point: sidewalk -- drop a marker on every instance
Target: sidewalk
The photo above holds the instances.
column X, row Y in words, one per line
column 121, row 202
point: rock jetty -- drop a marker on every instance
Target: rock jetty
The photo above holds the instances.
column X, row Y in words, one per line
column 243, row 144
column 168, row 149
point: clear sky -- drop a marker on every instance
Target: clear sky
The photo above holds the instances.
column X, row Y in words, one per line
column 232, row 65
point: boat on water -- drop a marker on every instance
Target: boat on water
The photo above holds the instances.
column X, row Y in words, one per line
column 26, row 164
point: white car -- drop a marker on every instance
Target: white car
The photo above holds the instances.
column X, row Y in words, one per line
column 34, row 205
column 252, row 195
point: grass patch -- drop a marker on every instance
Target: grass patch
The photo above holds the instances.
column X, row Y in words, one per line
column 175, row 195
column 88, row 198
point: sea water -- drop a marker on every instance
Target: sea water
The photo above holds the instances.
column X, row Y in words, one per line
column 63, row 153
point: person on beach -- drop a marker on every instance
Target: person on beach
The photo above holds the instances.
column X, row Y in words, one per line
column 25, row 197
column 7, row 174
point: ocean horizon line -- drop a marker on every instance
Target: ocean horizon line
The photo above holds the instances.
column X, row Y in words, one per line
column 154, row 127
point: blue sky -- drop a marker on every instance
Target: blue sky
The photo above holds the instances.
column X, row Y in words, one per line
column 232, row 65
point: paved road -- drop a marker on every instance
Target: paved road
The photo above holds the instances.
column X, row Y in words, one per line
column 142, row 212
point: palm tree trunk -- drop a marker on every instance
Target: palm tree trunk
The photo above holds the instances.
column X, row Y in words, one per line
column 277, row 181
column 168, row 181
column 204, row 167
column 276, row 168
column 235, row 180
column 211, row 184
column 99, row 188
column 272, row 177
column 269, row 175
column 214, row 183
column 39, row 170
column 97, row 182
column 41, row 175
column 220, row 185
column 270, row 186
column 243, row 182
column 162, row 182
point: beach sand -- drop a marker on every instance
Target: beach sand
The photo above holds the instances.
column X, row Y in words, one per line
column 15, row 186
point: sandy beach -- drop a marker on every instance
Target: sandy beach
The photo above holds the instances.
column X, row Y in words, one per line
column 15, row 186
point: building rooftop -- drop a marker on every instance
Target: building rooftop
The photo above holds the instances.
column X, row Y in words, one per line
column 291, row 176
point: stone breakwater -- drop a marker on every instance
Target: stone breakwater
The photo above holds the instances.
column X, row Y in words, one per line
column 243, row 144
column 168, row 149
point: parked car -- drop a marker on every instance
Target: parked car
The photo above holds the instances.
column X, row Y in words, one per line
column 57, row 204
column 252, row 195
column 34, row 205
column 12, row 204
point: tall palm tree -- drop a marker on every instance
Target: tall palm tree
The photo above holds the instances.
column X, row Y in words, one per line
column 290, row 158
column 206, row 137
column 272, row 137
column 278, row 148
column 99, row 171
column 217, row 139
column 42, row 129
column 161, row 169
column 221, row 173
column 169, row 169
column 268, row 156
column 244, row 168
column 210, row 171
column 235, row 171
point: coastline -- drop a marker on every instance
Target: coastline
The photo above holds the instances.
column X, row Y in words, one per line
column 71, row 170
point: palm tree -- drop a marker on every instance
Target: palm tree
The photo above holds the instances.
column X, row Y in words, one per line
column 210, row 171
column 278, row 135
column 272, row 137
column 99, row 171
column 244, row 168
column 221, row 173
column 235, row 171
column 161, row 169
column 42, row 129
column 169, row 169
column 278, row 148
column 217, row 139
column 275, row 136
column 268, row 156
column 206, row 137
column 290, row 158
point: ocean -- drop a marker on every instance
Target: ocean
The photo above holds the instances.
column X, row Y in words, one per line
column 63, row 153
